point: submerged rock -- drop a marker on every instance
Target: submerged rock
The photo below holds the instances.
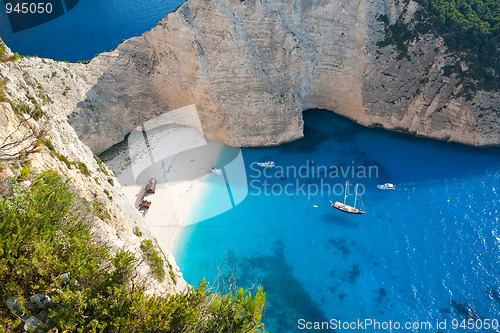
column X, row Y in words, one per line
column 465, row 310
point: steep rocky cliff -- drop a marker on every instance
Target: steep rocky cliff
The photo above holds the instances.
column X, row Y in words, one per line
column 251, row 67
column 33, row 122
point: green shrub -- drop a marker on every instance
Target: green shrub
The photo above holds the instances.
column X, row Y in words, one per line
column 37, row 113
column 107, row 194
column 63, row 159
column 83, row 168
column 137, row 231
column 99, row 210
column 60, row 157
column 2, row 96
column 153, row 258
column 472, row 29
column 102, row 166
column 49, row 145
column 24, row 173
column 23, row 108
column 16, row 57
column 172, row 276
column 45, row 247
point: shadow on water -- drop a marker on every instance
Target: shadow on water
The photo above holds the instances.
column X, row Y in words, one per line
column 341, row 130
column 287, row 299
column 399, row 156
column 341, row 245
column 339, row 221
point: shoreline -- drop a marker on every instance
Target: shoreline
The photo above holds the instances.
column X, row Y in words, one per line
column 174, row 151
column 180, row 180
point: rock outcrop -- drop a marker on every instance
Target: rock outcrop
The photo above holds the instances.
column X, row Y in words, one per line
column 114, row 221
column 251, row 67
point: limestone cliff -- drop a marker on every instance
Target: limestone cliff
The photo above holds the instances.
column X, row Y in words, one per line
column 114, row 221
column 251, row 67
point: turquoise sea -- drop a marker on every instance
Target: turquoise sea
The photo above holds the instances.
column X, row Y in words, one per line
column 426, row 252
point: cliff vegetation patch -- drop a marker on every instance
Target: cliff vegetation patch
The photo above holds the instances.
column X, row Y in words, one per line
column 54, row 274
column 471, row 29
column 4, row 56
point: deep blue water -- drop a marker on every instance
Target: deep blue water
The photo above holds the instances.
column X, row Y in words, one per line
column 90, row 28
column 427, row 251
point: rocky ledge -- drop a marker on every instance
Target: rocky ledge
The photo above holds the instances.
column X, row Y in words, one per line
column 251, row 67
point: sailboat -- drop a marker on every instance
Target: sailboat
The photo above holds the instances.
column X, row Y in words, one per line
column 346, row 208
column 386, row 186
column 268, row 164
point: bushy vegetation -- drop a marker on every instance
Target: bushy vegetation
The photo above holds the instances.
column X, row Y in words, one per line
column 102, row 168
column 24, row 172
column 3, row 56
column 471, row 27
column 46, row 248
column 60, row 157
column 21, row 109
column 477, row 17
column 137, row 231
column 2, row 96
column 154, row 259
column 83, row 168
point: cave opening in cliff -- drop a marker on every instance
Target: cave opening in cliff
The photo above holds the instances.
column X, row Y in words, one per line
column 324, row 124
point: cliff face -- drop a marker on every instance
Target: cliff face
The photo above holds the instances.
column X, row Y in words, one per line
column 251, row 67
column 114, row 221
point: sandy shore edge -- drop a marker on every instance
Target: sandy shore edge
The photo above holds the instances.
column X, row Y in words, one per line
column 180, row 179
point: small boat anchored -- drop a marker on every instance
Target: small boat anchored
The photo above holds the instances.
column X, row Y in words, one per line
column 346, row 208
column 216, row 171
column 386, row 186
column 268, row 164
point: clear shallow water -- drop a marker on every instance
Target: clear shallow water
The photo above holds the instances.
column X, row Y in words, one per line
column 433, row 241
column 427, row 251
column 89, row 28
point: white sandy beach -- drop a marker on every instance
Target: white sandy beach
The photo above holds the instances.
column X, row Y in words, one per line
column 174, row 151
